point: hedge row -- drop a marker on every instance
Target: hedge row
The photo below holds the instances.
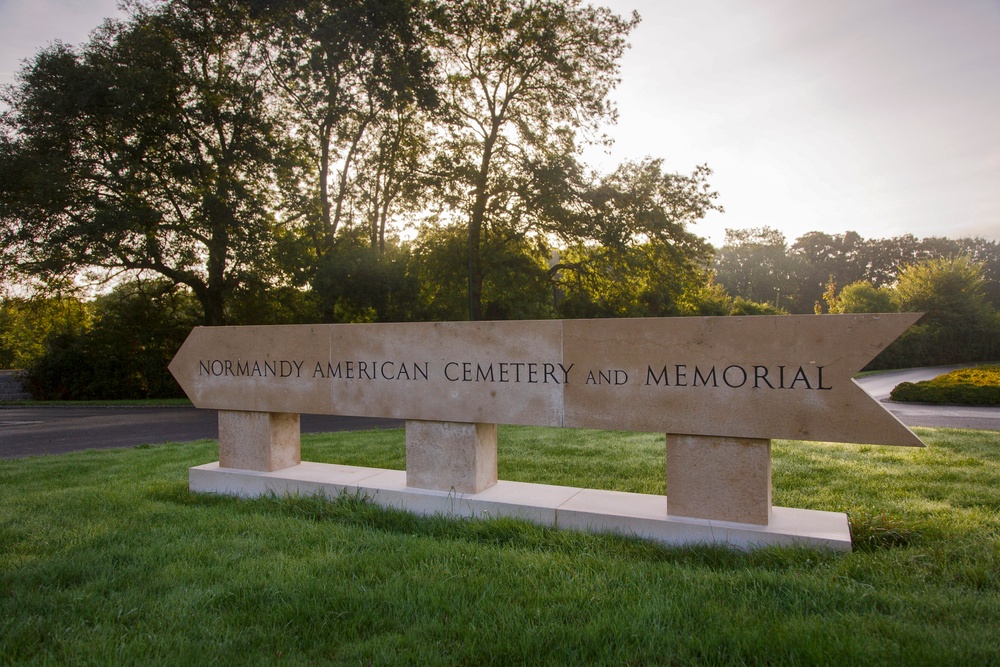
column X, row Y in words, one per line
column 966, row 386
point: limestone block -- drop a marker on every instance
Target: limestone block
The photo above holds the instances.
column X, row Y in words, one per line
column 724, row 479
column 263, row 441
column 451, row 456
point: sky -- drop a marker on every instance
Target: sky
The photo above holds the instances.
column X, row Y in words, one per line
column 877, row 116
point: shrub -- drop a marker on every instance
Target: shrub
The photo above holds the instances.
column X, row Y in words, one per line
column 967, row 386
column 137, row 330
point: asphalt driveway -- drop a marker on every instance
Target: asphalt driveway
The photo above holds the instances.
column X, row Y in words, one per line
column 919, row 414
column 29, row 431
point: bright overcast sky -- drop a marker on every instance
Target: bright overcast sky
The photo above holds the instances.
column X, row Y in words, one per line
column 878, row 116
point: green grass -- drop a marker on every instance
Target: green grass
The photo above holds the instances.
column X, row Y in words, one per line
column 966, row 386
column 106, row 558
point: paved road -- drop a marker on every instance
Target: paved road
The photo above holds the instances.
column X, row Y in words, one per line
column 27, row 431
column 947, row 416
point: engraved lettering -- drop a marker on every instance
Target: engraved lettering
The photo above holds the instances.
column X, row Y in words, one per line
column 800, row 376
column 725, row 376
column 821, row 387
column 566, row 372
column 484, row 375
column 760, row 375
column 657, row 378
column 704, row 378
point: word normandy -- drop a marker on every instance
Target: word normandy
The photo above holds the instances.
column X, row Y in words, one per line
column 734, row 376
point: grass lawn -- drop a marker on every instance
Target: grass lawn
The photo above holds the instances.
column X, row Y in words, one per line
column 106, row 558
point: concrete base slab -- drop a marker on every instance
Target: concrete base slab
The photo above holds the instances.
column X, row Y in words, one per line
column 594, row 510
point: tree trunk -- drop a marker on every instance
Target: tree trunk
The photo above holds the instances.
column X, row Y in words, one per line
column 476, row 221
column 324, row 190
column 213, row 300
column 342, row 185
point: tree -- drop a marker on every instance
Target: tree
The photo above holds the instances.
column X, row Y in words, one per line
column 26, row 324
column 151, row 149
column 631, row 253
column 517, row 283
column 950, row 291
column 743, row 307
column 863, row 297
column 137, row 328
column 755, row 264
column 522, row 79
column 824, row 257
column 959, row 325
column 356, row 282
column 352, row 77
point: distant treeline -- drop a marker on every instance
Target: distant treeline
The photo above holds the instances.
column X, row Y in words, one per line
column 759, row 264
column 119, row 344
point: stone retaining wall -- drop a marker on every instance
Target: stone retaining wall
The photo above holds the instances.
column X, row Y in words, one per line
column 11, row 388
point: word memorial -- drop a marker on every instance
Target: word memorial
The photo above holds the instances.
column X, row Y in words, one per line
column 719, row 388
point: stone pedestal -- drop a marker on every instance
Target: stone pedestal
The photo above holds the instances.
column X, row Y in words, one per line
column 724, row 479
column 262, row 441
column 451, row 456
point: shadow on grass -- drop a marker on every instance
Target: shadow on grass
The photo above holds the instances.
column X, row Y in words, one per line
column 358, row 511
column 880, row 531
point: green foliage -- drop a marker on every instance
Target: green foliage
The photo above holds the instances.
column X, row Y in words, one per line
column 627, row 281
column 631, row 253
column 272, row 304
column 521, row 81
column 743, row 306
column 245, row 150
column 440, row 262
column 959, row 325
column 948, row 290
column 151, row 148
column 25, row 325
column 862, row 297
column 517, row 276
column 706, row 299
column 755, row 264
column 354, row 80
column 967, row 386
column 106, row 557
column 356, row 283
column 822, row 259
column 136, row 331
column 516, row 285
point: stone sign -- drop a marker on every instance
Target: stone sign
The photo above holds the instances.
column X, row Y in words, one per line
column 720, row 388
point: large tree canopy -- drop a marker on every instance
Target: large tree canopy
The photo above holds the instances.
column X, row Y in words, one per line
column 352, row 78
column 522, row 80
column 245, row 149
column 755, row 264
column 150, row 149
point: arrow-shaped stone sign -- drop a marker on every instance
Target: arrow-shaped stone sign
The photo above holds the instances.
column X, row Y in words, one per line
column 787, row 377
column 719, row 388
